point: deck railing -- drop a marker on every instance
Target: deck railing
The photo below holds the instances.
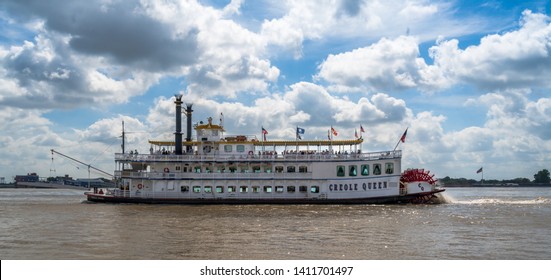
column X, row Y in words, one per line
column 256, row 157
column 212, row 175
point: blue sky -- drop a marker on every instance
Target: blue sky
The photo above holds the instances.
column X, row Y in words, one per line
column 469, row 78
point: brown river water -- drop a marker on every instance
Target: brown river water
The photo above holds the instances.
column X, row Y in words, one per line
column 474, row 223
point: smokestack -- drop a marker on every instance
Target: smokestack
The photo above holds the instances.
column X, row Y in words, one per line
column 178, row 133
column 189, row 148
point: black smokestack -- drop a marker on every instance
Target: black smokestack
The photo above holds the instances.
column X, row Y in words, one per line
column 178, row 133
column 188, row 138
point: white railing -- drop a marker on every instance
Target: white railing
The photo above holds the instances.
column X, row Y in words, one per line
column 256, row 157
column 213, row 175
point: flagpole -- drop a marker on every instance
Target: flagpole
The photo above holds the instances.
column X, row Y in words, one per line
column 395, row 147
column 482, row 180
column 296, row 138
column 402, row 139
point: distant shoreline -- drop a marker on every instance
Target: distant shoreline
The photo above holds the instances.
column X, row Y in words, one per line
column 40, row 185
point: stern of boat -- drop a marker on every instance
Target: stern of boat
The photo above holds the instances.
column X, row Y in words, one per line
column 420, row 185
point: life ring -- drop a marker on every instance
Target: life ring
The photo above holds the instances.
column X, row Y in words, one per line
column 140, row 186
column 166, row 170
column 251, row 153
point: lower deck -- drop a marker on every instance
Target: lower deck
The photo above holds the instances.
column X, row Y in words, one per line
column 126, row 198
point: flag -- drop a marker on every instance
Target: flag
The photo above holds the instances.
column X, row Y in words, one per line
column 403, row 138
column 334, row 131
column 361, row 128
column 479, row 170
column 264, row 132
column 299, row 132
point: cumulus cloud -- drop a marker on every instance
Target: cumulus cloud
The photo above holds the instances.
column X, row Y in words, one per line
column 385, row 65
column 303, row 104
column 117, row 50
column 514, row 59
column 115, row 29
column 312, row 20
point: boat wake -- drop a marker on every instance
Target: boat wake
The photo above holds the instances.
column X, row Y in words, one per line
column 447, row 198
column 441, row 198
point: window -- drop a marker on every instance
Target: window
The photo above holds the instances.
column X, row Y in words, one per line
column 303, row 188
column 279, row 189
column 227, row 148
column 268, row 189
column 352, row 170
column 196, row 189
column 303, row 169
column 233, row 169
column 290, row 169
column 178, row 168
column 219, row 189
column 340, row 171
column 256, row 189
column 290, row 189
column 279, row 169
column 268, row 169
column 197, row 169
column 314, row 189
column 240, row 148
column 231, row 189
column 208, row 189
column 243, row 189
column 184, row 188
column 365, row 169
column 389, row 168
column 376, row 169
column 256, row 169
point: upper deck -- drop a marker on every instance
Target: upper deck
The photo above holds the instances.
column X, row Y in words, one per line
column 268, row 157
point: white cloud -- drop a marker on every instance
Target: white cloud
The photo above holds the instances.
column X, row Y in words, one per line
column 515, row 59
column 385, row 65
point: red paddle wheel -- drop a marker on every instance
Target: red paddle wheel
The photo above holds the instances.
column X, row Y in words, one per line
column 417, row 175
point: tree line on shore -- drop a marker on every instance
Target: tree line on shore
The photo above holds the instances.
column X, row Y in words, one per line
column 542, row 177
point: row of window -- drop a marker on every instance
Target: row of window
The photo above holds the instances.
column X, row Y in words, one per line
column 364, row 169
column 238, row 148
column 242, row 169
column 246, row 189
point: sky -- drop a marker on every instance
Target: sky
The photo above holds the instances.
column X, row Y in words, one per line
column 470, row 80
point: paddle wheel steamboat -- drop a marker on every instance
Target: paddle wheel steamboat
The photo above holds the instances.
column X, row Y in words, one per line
column 241, row 169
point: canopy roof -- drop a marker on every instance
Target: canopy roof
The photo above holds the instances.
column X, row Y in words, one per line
column 268, row 143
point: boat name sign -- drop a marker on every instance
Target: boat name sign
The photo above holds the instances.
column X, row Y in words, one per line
column 346, row 187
